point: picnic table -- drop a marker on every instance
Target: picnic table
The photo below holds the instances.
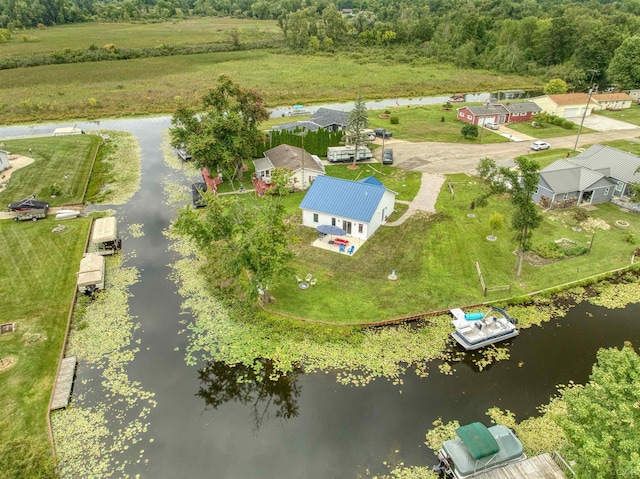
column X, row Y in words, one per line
column 340, row 241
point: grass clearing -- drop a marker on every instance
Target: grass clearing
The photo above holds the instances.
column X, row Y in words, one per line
column 546, row 130
column 434, row 257
column 62, row 160
column 629, row 115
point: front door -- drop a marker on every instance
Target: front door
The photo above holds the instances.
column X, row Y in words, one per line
column 346, row 225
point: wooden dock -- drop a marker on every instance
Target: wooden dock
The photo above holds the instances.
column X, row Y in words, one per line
column 64, row 383
column 539, row 467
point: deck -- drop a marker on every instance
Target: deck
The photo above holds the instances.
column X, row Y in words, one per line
column 539, row 467
column 64, row 383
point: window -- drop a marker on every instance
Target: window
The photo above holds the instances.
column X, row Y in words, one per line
column 620, row 186
column 360, row 227
column 606, row 191
column 537, row 190
column 333, row 221
column 315, row 217
column 565, row 196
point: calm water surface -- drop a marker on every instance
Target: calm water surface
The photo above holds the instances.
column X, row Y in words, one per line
column 308, row 426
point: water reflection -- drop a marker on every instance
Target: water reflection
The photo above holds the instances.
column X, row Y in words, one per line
column 266, row 393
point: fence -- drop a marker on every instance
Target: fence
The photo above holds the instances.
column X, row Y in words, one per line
column 562, row 464
column 490, row 289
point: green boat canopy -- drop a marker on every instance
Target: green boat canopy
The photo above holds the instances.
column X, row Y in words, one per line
column 478, row 440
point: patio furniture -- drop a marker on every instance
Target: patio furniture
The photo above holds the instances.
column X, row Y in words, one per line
column 308, row 277
column 342, row 247
column 298, row 278
column 351, row 249
column 312, row 282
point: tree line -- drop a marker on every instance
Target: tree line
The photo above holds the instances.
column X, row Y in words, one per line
column 565, row 39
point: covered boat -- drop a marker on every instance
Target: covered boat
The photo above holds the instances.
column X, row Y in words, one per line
column 478, row 449
column 475, row 331
column 104, row 236
column 91, row 274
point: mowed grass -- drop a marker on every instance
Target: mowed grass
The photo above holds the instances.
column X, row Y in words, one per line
column 160, row 85
column 37, row 269
column 63, row 160
column 434, row 258
column 629, row 115
column 135, row 35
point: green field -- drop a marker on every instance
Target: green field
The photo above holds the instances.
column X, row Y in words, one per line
column 159, row 85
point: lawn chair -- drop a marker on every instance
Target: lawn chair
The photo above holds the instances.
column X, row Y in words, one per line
column 308, row 277
column 298, row 278
column 313, row 282
column 341, row 247
column 351, row 249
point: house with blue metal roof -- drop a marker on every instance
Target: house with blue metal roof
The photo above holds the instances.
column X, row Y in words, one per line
column 358, row 207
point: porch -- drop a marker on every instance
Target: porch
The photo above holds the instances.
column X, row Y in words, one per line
column 338, row 244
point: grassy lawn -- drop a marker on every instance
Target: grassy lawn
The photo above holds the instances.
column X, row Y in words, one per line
column 63, row 160
column 629, row 115
column 38, row 280
column 435, row 257
column 546, row 130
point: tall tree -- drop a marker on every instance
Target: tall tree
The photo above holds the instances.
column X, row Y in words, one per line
column 358, row 121
column 555, row 86
column 624, row 69
column 602, row 417
column 249, row 238
column 226, row 132
column 519, row 183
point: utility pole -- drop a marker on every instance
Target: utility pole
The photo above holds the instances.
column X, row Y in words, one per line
column 593, row 73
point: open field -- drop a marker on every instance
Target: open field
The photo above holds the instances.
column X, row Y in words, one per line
column 135, row 35
column 435, row 256
column 159, row 85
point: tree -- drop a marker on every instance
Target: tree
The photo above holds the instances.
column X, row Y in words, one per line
column 602, row 417
column 226, row 132
column 358, row 121
column 249, row 239
column 280, row 182
column 555, row 86
column 519, row 183
column 624, row 69
column 469, row 131
column 496, row 222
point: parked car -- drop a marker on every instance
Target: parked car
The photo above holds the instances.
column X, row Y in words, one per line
column 28, row 203
column 491, row 125
column 183, row 154
column 383, row 133
column 387, row 156
column 540, row 145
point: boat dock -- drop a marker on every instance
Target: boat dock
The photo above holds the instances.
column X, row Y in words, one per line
column 64, row 383
column 539, row 467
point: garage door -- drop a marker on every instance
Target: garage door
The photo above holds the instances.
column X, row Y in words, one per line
column 571, row 112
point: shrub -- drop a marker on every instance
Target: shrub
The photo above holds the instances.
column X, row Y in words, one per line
column 629, row 238
column 548, row 251
column 576, row 251
column 469, row 131
column 394, row 120
column 580, row 215
column 567, row 125
column 55, row 189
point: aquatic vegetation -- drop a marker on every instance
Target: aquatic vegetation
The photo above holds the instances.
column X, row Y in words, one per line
column 135, row 230
column 614, row 296
column 123, row 157
column 89, row 437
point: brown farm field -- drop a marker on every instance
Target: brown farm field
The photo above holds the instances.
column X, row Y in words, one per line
column 147, row 86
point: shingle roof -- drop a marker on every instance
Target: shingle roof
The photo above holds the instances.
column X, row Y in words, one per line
column 570, row 98
column 619, row 96
column 326, row 117
column 623, row 165
column 523, row 107
column 302, row 125
column 343, row 198
column 487, row 109
column 563, row 176
column 292, row 158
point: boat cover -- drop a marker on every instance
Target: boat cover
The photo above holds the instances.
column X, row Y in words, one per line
column 478, row 440
column 91, row 270
column 104, row 230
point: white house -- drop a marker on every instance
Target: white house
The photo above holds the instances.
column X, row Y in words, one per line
column 303, row 166
column 358, row 207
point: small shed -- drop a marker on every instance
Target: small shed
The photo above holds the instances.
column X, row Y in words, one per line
column 91, row 274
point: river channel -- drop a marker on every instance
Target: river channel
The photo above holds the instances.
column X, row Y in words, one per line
column 307, row 425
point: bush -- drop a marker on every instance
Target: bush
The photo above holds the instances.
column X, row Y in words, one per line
column 629, row 238
column 567, row 125
column 394, row 120
column 580, row 215
column 55, row 189
column 548, row 251
column 576, row 251
column 469, row 131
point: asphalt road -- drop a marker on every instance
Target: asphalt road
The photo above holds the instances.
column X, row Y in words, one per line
column 441, row 158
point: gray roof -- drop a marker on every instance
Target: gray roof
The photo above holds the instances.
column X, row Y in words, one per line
column 292, row 158
column 563, row 176
column 486, row 110
column 263, row 164
column 525, row 107
column 325, row 117
column 623, row 165
column 302, row 125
